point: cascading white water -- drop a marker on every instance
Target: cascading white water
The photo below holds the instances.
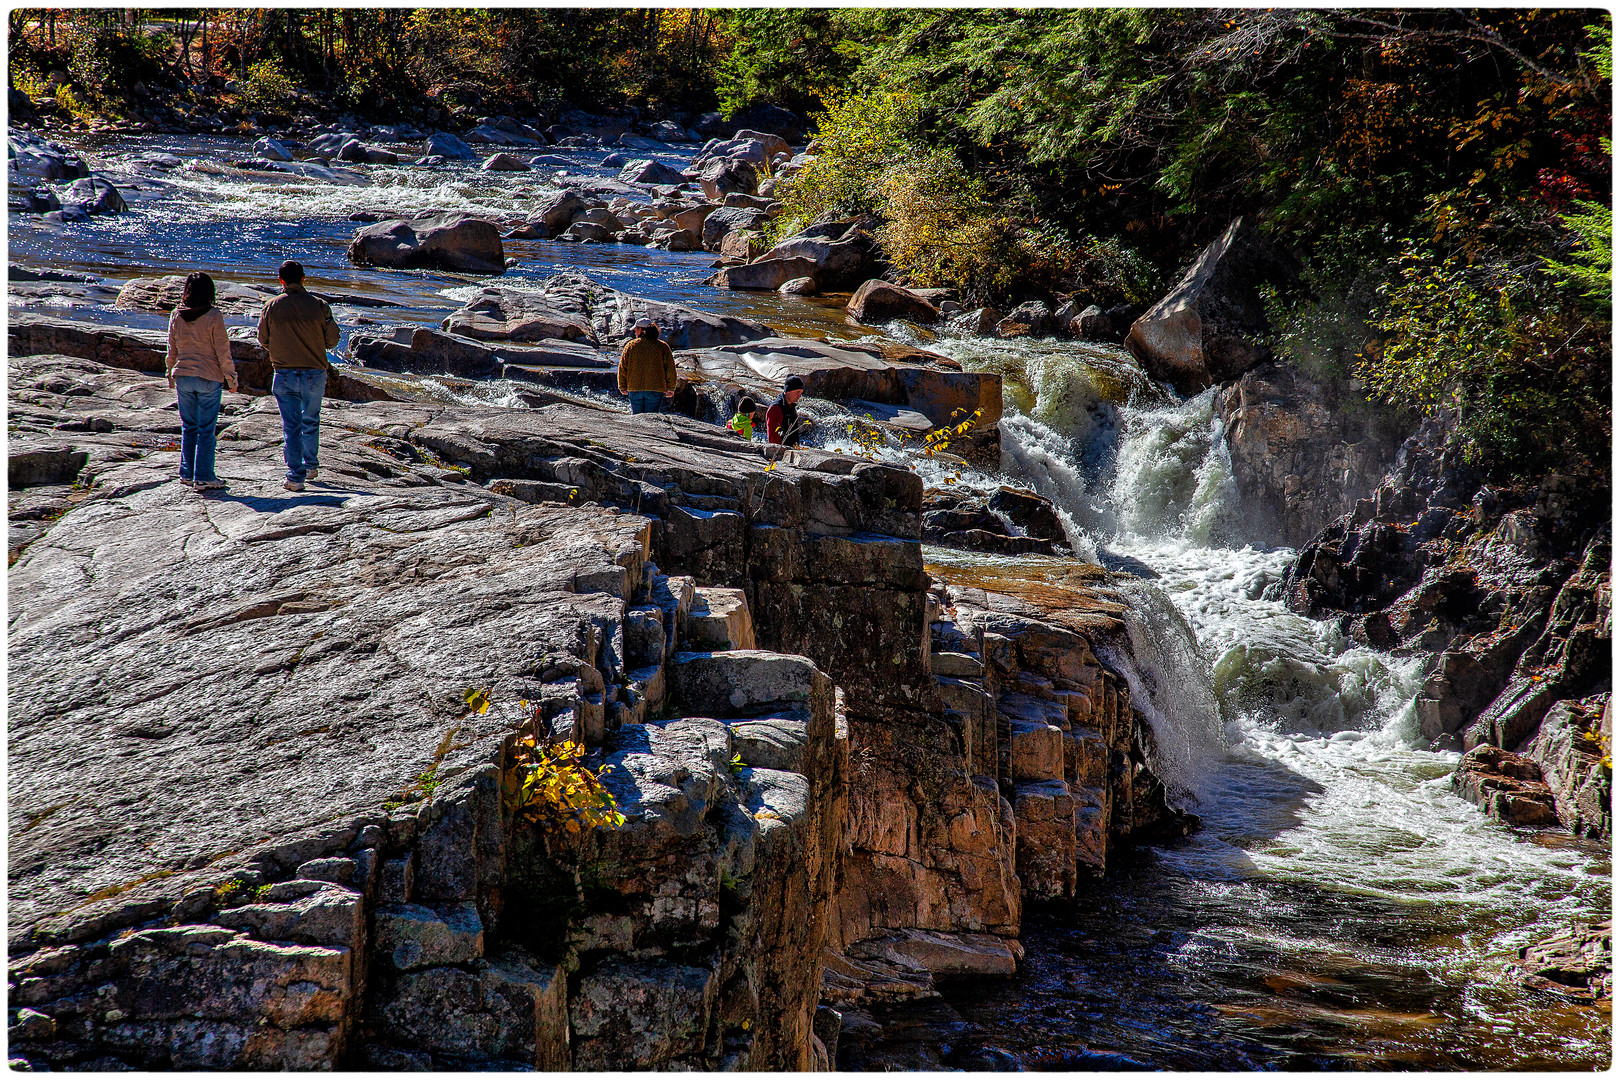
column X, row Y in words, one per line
column 1298, row 750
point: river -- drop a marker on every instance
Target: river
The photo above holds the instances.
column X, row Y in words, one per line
column 1340, row 908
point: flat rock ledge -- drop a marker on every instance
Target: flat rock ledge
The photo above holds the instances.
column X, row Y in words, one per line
column 256, row 824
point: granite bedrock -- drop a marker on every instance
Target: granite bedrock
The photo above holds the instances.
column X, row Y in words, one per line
column 255, row 824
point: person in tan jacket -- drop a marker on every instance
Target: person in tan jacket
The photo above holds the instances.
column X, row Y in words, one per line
column 199, row 365
column 646, row 370
column 297, row 329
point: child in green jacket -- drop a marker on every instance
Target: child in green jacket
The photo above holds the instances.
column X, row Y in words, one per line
column 743, row 422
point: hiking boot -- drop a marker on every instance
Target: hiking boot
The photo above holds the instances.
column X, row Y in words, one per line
column 215, row 484
column 313, row 474
column 293, row 485
column 186, row 481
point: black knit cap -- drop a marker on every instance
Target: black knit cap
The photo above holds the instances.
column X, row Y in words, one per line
column 793, row 383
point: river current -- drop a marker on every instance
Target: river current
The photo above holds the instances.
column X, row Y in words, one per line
column 1340, row 908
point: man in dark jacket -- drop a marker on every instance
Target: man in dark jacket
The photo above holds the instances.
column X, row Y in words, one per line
column 297, row 329
column 782, row 423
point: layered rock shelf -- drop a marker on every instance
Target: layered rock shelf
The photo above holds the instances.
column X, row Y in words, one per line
column 263, row 745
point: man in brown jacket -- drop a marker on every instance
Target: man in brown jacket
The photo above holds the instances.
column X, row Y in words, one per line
column 297, row 329
column 646, row 370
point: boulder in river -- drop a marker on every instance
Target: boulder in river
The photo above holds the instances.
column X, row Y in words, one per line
column 35, row 157
column 445, row 145
column 612, row 315
column 554, row 211
column 738, row 149
column 640, row 142
column 97, row 195
column 456, row 242
column 722, row 176
column 839, row 264
column 878, row 301
column 773, row 144
column 648, row 171
column 514, row 315
column 272, row 150
column 763, row 274
column 668, row 131
column 1031, row 319
column 504, row 162
column 162, row 295
column 327, row 145
column 719, row 223
column 356, row 151
column 1208, row 328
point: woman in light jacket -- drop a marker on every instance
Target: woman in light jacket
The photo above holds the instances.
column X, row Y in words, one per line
column 200, row 366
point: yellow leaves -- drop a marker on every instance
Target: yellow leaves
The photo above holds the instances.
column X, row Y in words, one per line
column 767, row 815
column 551, row 786
column 477, row 700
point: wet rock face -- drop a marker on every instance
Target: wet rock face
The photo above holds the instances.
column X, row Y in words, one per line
column 1577, row 964
column 1299, row 458
column 1508, row 588
column 1207, row 329
column 1008, row 522
column 1507, row 786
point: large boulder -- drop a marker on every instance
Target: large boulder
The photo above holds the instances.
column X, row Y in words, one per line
column 722, row 176
column 445, row 145
column 330, row 143
column 877, row 301
column 648, row 171
column 96, row 196
column 612, row 315
column 729, row 219
column 504, row 162
column 272, row 150
column 1209, row 328
column 763, row 274
column 839, row 264
column 739, row 149
column 773, row 144
column 511, row 315
column 553, row 213
column 162, row 295
column 456, row 242
column 1031, row 319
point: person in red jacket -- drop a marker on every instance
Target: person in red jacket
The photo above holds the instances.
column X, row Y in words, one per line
column 782, row 423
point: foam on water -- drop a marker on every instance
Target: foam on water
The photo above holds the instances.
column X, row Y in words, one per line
column 1299, row 751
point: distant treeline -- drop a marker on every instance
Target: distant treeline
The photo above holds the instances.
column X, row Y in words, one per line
column 1443, row 172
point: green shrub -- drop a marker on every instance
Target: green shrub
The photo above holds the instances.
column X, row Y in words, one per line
column 1592, row 272
column 267, row 88
column 861, row 139
column 107, row 61
column 1526, row 372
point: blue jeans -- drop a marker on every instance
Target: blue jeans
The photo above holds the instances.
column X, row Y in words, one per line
column 648, row 401
column 298, row 394
column 199, row 417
